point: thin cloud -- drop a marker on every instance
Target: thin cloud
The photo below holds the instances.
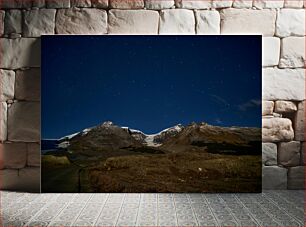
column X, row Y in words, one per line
column 219, row 100
column 249, row 104
column 218, row 121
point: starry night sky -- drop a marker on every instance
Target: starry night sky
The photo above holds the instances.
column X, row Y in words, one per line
column 149, row 82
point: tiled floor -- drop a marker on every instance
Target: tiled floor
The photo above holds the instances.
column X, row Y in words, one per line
column 271, row 208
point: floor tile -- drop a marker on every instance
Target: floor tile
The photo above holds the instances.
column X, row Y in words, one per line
column 270, row 208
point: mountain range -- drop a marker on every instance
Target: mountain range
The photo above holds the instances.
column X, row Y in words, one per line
column 109, row 127
column 111, row 137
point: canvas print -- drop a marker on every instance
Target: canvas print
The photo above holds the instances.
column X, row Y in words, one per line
column 151, row 114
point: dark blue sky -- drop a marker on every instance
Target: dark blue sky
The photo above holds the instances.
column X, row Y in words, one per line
column 149, row 82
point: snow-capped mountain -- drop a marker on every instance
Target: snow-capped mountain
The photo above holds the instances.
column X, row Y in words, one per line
column 153, row 140
column 162, row 136
column 157, row 139
column 64, row 141
column 83, row 132
column 110, row 140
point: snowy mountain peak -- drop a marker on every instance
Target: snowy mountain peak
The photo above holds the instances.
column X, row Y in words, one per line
column 108, row 123
column 155, row 140
column 177, row 127
column 64, row 141
column 86, row 130
column 68, row 137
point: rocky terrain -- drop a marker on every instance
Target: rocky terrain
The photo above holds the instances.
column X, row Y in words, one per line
column 153, row 140
column 193, row 158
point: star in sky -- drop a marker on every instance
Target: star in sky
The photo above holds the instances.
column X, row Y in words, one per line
column 169, row 80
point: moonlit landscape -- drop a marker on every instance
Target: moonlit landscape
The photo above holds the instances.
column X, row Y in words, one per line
column 151, row 114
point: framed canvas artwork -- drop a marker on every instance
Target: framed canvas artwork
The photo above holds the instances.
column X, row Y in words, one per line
column 151, row 113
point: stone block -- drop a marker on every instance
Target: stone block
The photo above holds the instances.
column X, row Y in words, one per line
column 126, row 4
column 7, row 84
column 248, row 21
column 27, row 86
column 24, row 122
column 285, row 106
column 13, row 36
column 242, row 4
column 296, row 178
column 38, row 3
column 267, row 107
column 56, row 4
column 277, row 129
column 293, row 3
column 208, row 22
column 278, row 115
column 267, row 116
column 80, row 3
column 293, row 52
column 20, row 53
column 159, row 4
column 289, row 153
column 39, row 22
column 262, row 4
column 30, row 179
column 9, row 179
column 133, row 22
column 299, row 122
column 271, row 51
column 99, row 3
column 13, row 155
column 81, row 21
column 283, row 84
column 274, row 177
column 269, row 154
column 2, row 15
column 303, row 160
column 222, row 3
column 33, row 154
column 290, row 22
column 15, row 4
column 13, row 21
column 3, row 121
column 177, row 21
column 25, row 180
column 192, row 4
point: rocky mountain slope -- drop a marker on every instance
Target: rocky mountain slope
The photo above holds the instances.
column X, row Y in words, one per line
column 110, row 137
column 109, row 129
column 216, row 139
column 106, row 137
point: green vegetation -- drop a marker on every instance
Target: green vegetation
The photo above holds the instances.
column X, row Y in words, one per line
column 59, row 174
column 55, row 161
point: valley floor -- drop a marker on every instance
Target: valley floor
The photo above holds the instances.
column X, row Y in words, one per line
column 172, row 172
column 65, row 179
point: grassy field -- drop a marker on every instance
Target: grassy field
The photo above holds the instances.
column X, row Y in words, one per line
column 178, row 172
column 193, row 171
column 60, row 175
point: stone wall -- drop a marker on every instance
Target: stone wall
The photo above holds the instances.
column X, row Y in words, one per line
column 281, row 22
